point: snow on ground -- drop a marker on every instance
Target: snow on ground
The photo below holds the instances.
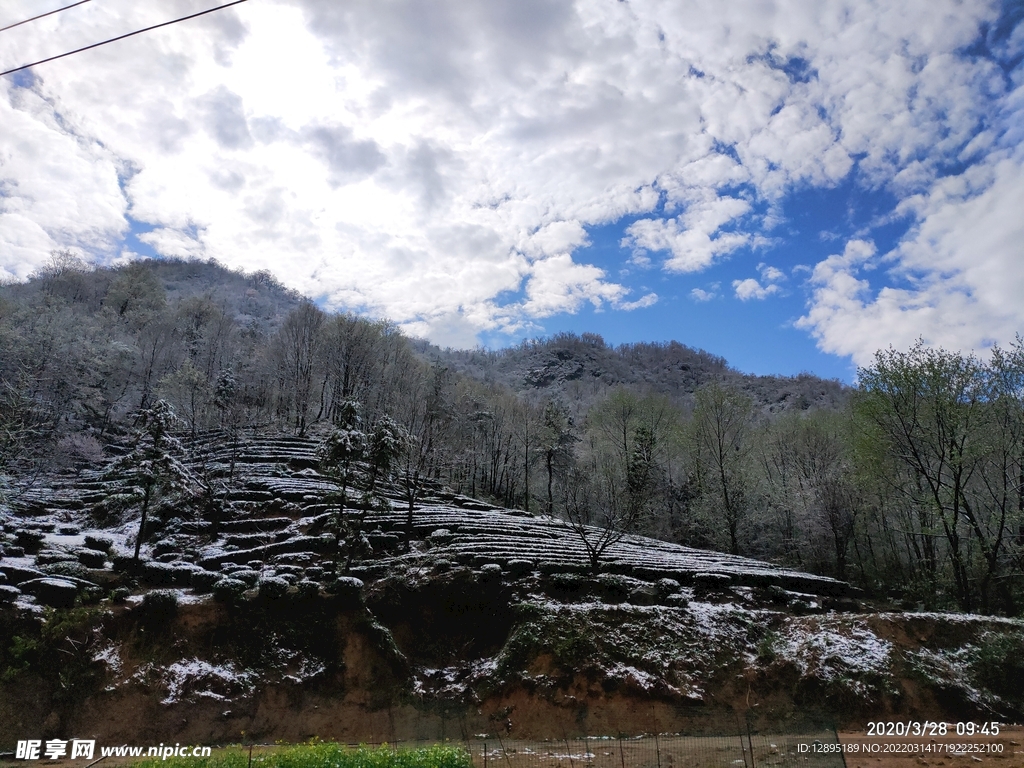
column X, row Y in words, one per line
column 191, row 679
column 837, row 651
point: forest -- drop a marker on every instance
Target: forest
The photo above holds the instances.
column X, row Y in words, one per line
column 909, row 485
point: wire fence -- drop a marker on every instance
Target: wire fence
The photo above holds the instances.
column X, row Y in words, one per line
column 662, row 751
column 739, row 746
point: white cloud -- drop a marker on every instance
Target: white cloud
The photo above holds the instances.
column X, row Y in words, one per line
column 956, row 280
column 691, row 237
column 647, row 300
column 751, row 289
column 769, row 273
column 441, row 163
column 699, row 294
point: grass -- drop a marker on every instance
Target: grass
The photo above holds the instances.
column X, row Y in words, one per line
column 324, row 755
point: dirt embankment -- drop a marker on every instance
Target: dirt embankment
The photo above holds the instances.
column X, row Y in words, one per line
column 209, row 673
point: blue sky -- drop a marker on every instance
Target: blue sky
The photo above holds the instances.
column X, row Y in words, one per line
column 756, row 336
column 791, row 184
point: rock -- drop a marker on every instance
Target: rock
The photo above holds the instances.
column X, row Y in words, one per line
column 56, row 593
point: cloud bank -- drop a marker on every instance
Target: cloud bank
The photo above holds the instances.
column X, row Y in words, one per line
column 441, row 163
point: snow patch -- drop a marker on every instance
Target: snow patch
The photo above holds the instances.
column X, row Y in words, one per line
column 190, row 679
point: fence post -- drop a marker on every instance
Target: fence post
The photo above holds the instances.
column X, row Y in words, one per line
column 841, row 752
column 622, row 755
column 657, row 748
column 485, row 754
column 750, row 743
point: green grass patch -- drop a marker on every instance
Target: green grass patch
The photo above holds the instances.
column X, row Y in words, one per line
column 324, row 755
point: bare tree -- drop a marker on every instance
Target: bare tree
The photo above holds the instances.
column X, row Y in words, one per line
column 721, row 420
column 298, row 347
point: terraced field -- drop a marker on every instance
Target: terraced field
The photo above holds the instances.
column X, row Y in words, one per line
column 275, row 514
column 248, row 612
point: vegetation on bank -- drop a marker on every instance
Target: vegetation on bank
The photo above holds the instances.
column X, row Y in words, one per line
column 910, row 486
column 318, row 754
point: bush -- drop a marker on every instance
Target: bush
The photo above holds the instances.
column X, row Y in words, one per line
column 99, row 543
column 203, row 581
column 313, row 755
column 999, row 665
column 273, row 588
column 518, row 567
column 247, row 575
column 158, row 608
column 91, row 558
column 347, row 587
column 307, row 589
column 228, row 590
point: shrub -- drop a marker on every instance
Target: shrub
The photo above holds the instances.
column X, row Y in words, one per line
column 316, row 754
column 203, row 581
column 308, row 589
column 228, row 590
column 999, row 665
column 91, row 558
column 247, row 575
column 99, row 543
column 158, row 608
column 273, row 587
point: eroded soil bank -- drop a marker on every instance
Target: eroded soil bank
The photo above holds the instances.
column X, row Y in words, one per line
column 466, row 658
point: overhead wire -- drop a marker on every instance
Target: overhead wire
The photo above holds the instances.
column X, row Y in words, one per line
column 119, row 37
column 41, row 15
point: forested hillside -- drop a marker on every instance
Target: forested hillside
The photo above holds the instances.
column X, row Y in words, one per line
column 911, row 487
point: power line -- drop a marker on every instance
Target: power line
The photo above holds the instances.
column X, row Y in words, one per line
column 41, row 15
column 119, row 37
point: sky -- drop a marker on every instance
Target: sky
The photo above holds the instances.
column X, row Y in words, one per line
column 791, row 184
